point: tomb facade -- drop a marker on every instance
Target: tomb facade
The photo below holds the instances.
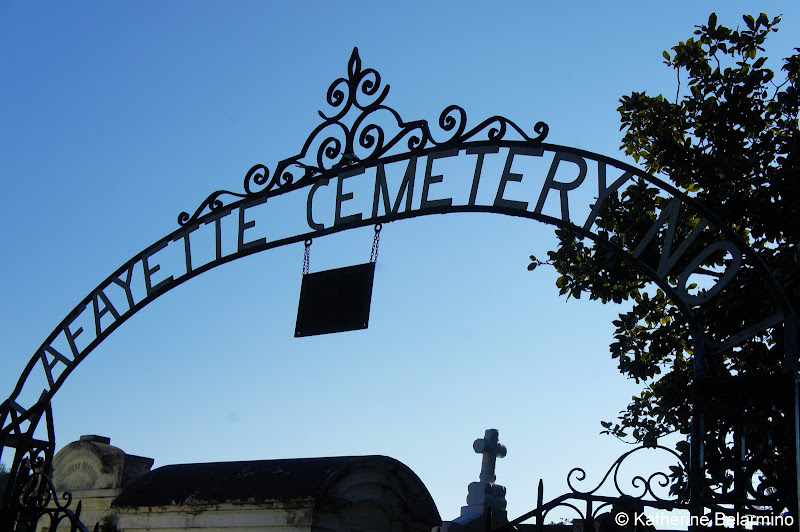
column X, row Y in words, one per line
column 353, row 493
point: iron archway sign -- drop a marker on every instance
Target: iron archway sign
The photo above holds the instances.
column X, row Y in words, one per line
column 365, row 139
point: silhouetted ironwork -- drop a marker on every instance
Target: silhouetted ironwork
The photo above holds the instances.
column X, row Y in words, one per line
column 31, row 499
column 39, row 503
column 644, row 491
column 351, row 135
column 361, row 132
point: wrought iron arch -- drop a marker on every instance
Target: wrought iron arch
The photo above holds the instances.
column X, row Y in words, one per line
column 362, row 134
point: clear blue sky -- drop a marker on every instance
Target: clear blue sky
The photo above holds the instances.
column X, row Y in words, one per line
column 114, row 117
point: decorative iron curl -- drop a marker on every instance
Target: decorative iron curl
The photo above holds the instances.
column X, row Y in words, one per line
column 39, row 498
column 361, row 139
column 642, row 486
column 212, row 203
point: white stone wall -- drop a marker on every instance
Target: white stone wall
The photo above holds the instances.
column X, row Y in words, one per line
column 217, row 518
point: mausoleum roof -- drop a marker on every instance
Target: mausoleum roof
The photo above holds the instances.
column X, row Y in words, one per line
column 258, row 481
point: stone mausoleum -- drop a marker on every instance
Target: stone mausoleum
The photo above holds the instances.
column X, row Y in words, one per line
column 364, row 493
column 344, row 493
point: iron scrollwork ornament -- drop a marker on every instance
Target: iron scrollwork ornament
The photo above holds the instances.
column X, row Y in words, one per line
column 749, row 431
column 37, row 498
column 610, row 496
column 355, row 133
column 642, row 488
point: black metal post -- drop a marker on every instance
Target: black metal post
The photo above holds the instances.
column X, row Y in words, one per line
column 697, row 442
column 539, row 502
column 792, row 351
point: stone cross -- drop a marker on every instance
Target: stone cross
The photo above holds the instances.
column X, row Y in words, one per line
column 491, row 450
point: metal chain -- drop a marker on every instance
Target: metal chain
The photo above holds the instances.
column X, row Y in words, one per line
column 306, row 256
column 373, row 256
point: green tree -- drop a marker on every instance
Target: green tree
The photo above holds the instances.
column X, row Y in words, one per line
column 728, row 135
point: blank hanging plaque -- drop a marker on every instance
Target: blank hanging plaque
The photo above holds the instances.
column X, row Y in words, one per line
column 335, row 300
